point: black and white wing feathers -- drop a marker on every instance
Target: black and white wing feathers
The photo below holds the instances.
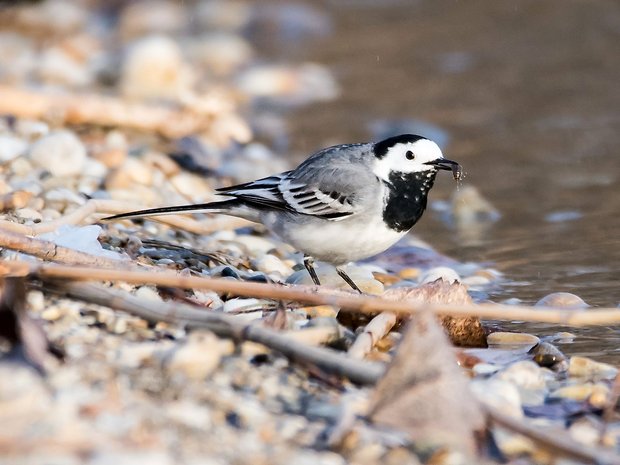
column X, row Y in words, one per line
column 326, row 186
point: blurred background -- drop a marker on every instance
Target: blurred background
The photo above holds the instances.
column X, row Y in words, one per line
column 523, row 93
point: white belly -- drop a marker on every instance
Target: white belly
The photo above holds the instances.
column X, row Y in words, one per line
column 336, row 242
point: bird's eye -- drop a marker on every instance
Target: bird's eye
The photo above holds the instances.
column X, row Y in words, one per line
column 409, row 155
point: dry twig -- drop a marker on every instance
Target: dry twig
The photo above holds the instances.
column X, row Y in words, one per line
column 378, row 327
column 320, row 296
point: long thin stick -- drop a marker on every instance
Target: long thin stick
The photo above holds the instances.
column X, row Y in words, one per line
column 351, row 302
column 223, row 325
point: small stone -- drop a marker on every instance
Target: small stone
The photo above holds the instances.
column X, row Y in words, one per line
column 197, row 358
column 586, row 431
column 255, row 245
column 11, row 147
column 440, row 272
column 111, row 158
column 386, row 278
column 154, row 69
column 31, row 129
column 192, row 186
column 244, row 305
column 221, row 52
column 596, row 394
column 583, row 367
column 503, row 396
column 320, row 311
column 485, row 369
column 148, row 293
column 145, row 17
column 269, row 263
column 22, row 167
column 51, row 314
column 410, row 274
column 94, row 168
column 36, row 301
column 500, row 338
column 60, row 152
column 29, row 214
column 529, row 379
column 564, row 300
column 549, row 356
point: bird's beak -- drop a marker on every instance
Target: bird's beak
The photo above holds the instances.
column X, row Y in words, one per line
column 449, row 165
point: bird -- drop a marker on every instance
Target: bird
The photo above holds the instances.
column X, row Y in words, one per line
column 342, row 204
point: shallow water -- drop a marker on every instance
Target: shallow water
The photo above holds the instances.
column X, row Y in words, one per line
column 528, row 93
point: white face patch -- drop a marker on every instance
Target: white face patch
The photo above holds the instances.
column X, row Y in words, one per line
column 407, row 157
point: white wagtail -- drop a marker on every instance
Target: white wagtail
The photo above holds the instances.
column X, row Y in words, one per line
column 344, row 203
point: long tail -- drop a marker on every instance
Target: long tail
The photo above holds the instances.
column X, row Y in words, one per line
column 222, row 207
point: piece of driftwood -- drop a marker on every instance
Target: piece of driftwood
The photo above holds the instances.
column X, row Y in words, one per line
column 313, row 295
column 99, row 110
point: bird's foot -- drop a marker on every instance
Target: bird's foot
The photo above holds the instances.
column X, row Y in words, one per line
column 309, row 264
column 348, row 280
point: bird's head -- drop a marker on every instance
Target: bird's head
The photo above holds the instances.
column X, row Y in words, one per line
column 410, row 154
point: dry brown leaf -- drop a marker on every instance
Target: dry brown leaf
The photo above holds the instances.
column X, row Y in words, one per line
column 462, row 331
column 425, row 393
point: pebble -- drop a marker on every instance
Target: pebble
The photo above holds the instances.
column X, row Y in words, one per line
column 564, row 300
column 221, row 52
column 11, row 147
column 31, row 129
column 529, row 379
column 504, row 339
column 583, row 367
column 28, row 214
column 241, row 305
column 596, row 394
column 192, row 186
column 549, row 356
column 302, row 84
column 197, row 357
column 320, row 311
column 498, row 394
column 22, row 167
column 154, row 68
column 143, row 18
column 269, row 264
column 61, row 153
column 440, row 272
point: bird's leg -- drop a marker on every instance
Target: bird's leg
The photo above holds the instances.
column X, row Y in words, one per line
column 309, row 264
column 348, row 280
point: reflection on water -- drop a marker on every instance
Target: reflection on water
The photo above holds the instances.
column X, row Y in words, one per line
column 528, row 92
